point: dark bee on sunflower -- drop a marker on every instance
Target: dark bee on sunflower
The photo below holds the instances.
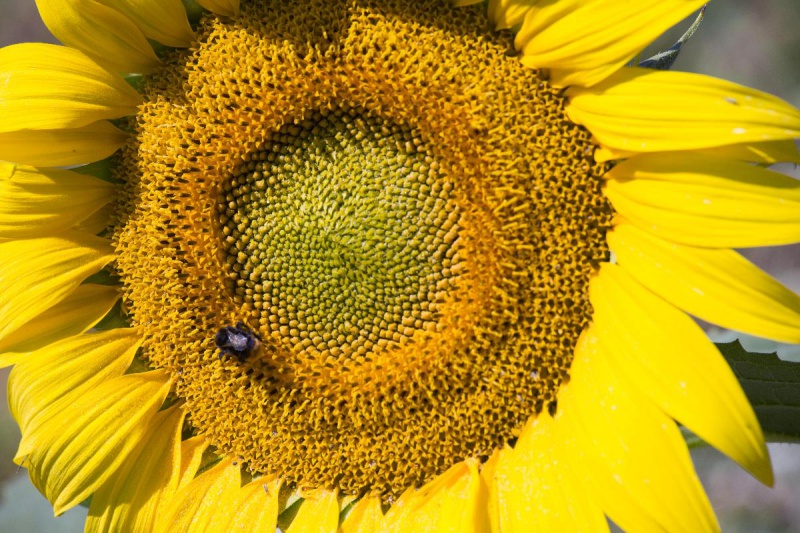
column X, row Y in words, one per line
column 237, row 341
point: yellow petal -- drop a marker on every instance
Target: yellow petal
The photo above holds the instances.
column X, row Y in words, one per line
column 35, row 202
column 719, row 286
column 319, row 513
column 164, row 21
column 191, row 457
column 462, row 3
column 488, row 471
column 631, row 457
column 765, row 153
column 76, row 313
column 98, row 221
column 74, row 454
column 38, row 273
column 366, row 516
column 61, row 148
column 192, row 451
column 46, row 87
column 706, row 201
column 448, row 503
column 47, row 380
column 564, row 36
column 228, row 8
column 129, row 499
column 536, row 490
column 344, row 502
column 194, row 507
column 662, row 352
column 101, row 32
column 506, row 14
column 399, row 512
column 464, row 508
column 642, row 110
column 254, row 508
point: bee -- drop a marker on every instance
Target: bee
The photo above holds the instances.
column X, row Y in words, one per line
column 238, row 341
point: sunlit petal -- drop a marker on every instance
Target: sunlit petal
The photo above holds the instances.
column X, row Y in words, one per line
column 365, row 517
column 38, row 273
column 536, row 489
column 719, row 286
column 319, row 513
column 663, row 353
column 44, row 381
column 564, row 37
column 161, row 20
column 62, row 147
column 35, row 202
column 48, row 87
column 74, row 455
column 99, row 31
column 76, row 313
column 631, row 457
column 706, row 201
column 129, row 500
column 642, row 110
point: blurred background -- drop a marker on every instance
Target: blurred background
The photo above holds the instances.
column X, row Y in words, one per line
column 753, row 42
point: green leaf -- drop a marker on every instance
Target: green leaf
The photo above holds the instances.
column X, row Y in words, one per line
column 773, row 388
column 664, row 60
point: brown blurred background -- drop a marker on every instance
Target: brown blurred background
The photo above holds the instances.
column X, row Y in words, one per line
column 754, row 42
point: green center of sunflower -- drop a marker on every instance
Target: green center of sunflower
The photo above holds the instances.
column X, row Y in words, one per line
column 341, row 233
column 398, row 209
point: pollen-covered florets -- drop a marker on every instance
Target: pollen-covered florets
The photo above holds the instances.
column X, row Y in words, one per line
column 401, row 212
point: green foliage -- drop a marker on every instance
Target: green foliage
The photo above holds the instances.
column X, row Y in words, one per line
column 773, row 388
column 664, row 60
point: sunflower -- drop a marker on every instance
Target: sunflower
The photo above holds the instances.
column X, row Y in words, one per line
column 381, row 265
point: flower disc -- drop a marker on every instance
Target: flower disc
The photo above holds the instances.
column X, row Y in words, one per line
column 396, row 207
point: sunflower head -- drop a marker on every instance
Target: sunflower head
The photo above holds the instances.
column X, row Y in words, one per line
column 382, row 262
column 419, row 293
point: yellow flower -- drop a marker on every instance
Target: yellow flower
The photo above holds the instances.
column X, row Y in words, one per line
column 384, row 265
